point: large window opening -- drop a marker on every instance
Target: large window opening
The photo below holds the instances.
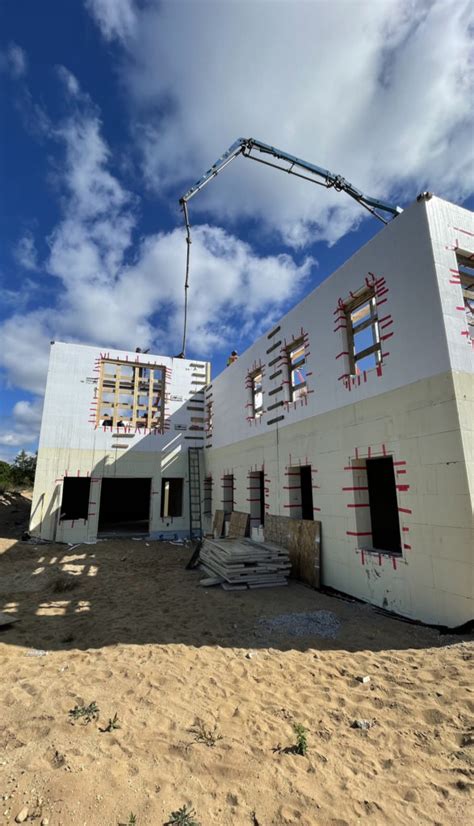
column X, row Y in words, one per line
column 300, row 489
column 365, row 351
column 466, row 275
column 130, row 395
column 257, row 498
column 297, row 370
column 125, row 506
column 383, row 505
column 171, row 497
column 75, row 499
column 257, row 394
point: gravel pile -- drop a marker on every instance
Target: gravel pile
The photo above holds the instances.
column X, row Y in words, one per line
column 308, row 624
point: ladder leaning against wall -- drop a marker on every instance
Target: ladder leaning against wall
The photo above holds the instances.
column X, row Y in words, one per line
column 194, row 472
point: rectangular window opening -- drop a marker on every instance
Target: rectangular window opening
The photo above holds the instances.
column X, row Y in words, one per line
column 257, row 394
column 365, row 351
column 383, row 506
column 297, row 370
column 171, row 498
column 130, row 395
column 75, row 499
column 228, row 494
column 257, row 498
column 466, row 275
column 300, row 489
column 207, row 503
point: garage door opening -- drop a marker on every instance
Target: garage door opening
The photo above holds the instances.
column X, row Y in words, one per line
column 124, row 507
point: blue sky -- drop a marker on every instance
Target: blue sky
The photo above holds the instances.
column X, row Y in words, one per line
column 110, row 109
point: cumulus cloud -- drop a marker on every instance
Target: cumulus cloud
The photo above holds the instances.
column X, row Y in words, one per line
column 364, row 89
column 116, row 18
column 116, row 291
column 13, row 60
column 25, row 252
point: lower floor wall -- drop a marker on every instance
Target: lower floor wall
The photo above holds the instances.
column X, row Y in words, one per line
column 423, row 427
column 47, row 519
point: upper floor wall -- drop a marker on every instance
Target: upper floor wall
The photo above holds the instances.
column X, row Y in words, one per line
column 95, row 399
column 409, row 278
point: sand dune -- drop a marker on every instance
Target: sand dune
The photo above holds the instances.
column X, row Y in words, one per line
column 138, row 636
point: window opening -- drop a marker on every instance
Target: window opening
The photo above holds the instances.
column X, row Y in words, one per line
column 207, row 504
column 228, row 494
column 300, row 488
column 466, row 275
column 297, row 370
column 257, row 394
column 383, row 505
column 75, row 499
column 130, row 395
column 364, row 346
column 125, row 506
column 209, row 418
column 257, row 498
column 171, row 498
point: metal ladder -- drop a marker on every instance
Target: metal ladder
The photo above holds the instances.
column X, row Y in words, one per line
column 195, row 519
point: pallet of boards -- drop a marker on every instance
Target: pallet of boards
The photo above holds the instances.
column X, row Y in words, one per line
column 237, row 564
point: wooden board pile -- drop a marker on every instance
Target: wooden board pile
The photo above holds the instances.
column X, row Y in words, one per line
column 238, row 564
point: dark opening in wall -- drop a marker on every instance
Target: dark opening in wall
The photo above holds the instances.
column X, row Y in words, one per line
column 306, row 492
column 125, row 506
column 383, row 505
column 171, row 497
column 75, row 501
column 228, row 493
column 256, row 489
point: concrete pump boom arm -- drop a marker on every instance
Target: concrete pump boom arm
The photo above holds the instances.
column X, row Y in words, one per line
column 245, row 147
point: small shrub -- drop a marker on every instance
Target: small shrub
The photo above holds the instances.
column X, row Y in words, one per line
column 112, row 724
column 65, row 583
column 182, row 817
column 205, row 735
column 132, row 819
column 301, row 746
column 84, row 713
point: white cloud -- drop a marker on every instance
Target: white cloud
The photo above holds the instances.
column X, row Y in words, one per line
column 28, row 413
column 25, row 252
column 378, row 92
column 116, row 18
column 13, row 60
column 111, row 291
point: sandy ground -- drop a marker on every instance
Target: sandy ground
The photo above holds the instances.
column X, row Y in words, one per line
column 138, row 636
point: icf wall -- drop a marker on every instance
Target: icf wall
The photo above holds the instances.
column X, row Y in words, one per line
column 416, row 407
column 73, row 442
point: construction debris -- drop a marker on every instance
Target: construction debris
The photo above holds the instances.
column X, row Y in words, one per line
column 242, row 563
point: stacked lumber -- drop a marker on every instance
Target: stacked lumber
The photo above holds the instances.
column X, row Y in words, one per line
column 238, row 564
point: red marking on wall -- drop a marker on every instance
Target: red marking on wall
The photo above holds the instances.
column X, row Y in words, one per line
column 386, row 336
column 407, row 547
column 359, row 533
column 464, row 231
column 394, row 563
column 358, row 505
column 402, row 487
column 400, row 462
column 404, row 510
column 340, row 327
column 405, row 529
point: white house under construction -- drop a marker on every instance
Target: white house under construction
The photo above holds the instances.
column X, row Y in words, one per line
column 356, row 410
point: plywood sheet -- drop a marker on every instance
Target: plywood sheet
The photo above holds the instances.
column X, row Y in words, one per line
column 239, row 524
column 302, row 539
column 218, row 524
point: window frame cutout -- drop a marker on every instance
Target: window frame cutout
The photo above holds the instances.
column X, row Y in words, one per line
column 133, row 381
column 368, row 296
column 465, row 261
column 171, row 509
column 257, row 409
column 296, row 390
column 79, row 507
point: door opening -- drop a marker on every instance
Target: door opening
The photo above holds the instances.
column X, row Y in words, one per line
column 306, row 492
column 125, row 506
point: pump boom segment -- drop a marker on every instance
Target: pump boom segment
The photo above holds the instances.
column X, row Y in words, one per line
column 257, row 151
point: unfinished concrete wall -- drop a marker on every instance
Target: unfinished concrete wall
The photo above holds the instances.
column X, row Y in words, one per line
column 415, row 406
column 73, row 443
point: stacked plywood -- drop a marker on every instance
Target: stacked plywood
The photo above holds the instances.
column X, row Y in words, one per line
column 242, row 563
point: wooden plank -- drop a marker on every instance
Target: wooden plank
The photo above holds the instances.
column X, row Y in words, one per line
column 218, row 524
column 302, row 538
